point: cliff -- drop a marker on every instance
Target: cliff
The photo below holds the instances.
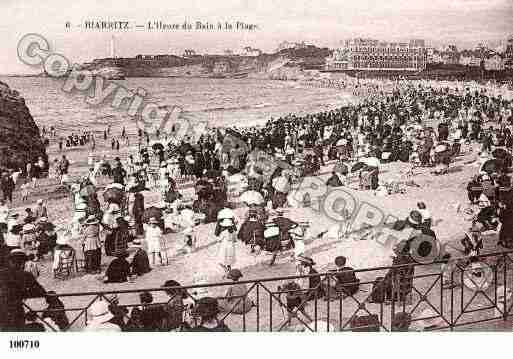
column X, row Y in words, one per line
column 20, row 141
column 286, row 64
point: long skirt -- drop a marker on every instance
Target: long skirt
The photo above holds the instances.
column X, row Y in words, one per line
column 226, row 253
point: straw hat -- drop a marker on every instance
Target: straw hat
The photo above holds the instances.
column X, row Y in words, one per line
column 100, row 312
column 91, row 220
column 226, row 222
column 225, row 213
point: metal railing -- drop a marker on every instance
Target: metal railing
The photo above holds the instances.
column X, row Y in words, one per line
column 432, row 296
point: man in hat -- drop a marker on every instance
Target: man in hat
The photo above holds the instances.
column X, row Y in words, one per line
column 140, row 263
column 4, row 215
column 16, row 285
column 100, row 317
column 207, row 310
column 91, row 244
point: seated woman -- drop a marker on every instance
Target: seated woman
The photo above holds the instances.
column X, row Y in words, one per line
column 140, row 263
column 235, row 299
column 118, row 270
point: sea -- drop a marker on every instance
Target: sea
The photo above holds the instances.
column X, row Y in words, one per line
column 221, row 102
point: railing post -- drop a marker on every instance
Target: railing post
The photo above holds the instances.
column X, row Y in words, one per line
column 505, row 282
column 258, row 306
column 452, row 300
column 327, row 302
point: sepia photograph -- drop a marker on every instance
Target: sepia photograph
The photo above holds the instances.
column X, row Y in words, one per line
column 255, row 166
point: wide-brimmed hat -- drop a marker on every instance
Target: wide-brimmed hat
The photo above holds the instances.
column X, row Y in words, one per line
column 226, row 222
column 226, row 213
column 100, row 312
column 415, row 218
column 17, row 254
column 234, row 274
column 92, row 220
column 14, row 215
column 153, row 220
column 39, row 201
column 306, row 260
column 207, row 307
column 43, row 220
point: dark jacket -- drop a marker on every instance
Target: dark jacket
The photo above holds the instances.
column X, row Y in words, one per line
column 118, row 271
column 15, row 286
column 140, row 264
column 252, row 232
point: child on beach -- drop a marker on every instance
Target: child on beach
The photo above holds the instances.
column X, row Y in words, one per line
column 25, row 191
column 31, row 265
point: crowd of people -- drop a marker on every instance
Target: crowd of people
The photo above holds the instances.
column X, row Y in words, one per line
column 411, row 122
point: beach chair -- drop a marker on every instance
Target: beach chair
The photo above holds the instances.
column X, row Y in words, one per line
column 67, row 263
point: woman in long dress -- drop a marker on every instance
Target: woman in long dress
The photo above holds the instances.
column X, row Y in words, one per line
column 227, row 234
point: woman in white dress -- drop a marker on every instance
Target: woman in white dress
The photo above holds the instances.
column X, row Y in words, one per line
column 227, row 233
column 153, row 237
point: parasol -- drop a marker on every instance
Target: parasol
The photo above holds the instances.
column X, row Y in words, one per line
column 358, row 166
column 225, row 213
column 489, row 166
column 440, row 148
column 371, row 161
column 114, row 195
column 252, row 198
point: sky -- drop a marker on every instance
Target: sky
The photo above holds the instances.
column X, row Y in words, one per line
column 321, row 22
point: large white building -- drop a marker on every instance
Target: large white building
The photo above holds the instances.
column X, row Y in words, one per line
column 369, row 54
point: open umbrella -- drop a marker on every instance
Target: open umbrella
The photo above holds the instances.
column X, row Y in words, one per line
column 114, row 195
column 358, row 166
column 489, row 166
column 441, row 148
column 225, row 213
column 371, row 161
column 252, row 198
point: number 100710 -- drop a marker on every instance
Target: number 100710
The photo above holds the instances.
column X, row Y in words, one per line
column 23, row 344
